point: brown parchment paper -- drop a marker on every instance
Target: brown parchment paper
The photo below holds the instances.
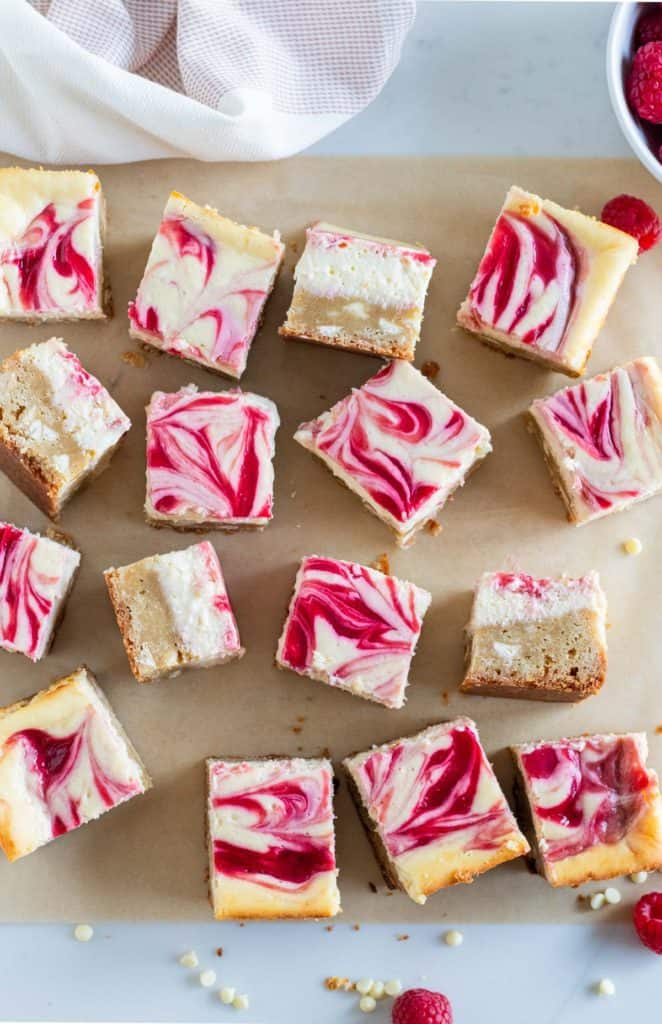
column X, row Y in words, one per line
column 146, row 860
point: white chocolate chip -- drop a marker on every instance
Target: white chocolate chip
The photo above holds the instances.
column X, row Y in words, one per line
column 453, row 937
column 377, row 990
column 83, row 932
column 240, row 1002
column 612, row 895
column 189, row 959
column 367, row 1004
column 226, row 995
column 632, row 546
column 605, row 987
column 639, row 877
column 207, row 978
column 364, row 985
column 597, row 901
column 393, row 987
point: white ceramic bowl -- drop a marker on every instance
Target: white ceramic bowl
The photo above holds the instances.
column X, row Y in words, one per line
column 619, row 52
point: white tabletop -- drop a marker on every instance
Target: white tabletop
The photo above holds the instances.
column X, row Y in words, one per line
column 499, row 79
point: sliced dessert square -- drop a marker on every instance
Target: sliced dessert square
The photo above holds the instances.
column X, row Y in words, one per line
column 354, row 628
column 544, row 639
column 52, row 225
column 36, row 576
column 205, row 285
column 58, row 425
column 64, row 761
column 174, row 612
column 271, row 838
column 602, row 439
column 593, row 809
column 359, row 292
column 546, row 282
column 209, row 459
column 399, row 444
column 433, row 809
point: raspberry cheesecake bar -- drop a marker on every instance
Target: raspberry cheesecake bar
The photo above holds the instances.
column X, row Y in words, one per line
column 602, row 439
column 36, row 576
column 51, row 236
column 433, row 809
column 593, row 808
column 64, row 761
column 544, row 639
column 58, row 425
column 546, row 282
column 354, row 628
column 359, row 292
column 209, row 459
column 399, row 444
column 173, row 612
column 271, row 838
column 205, row 285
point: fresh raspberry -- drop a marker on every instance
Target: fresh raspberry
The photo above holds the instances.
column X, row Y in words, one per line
column 648, row 921
column 649, row 29
column 420, row 1006
column 644, row 83
column 636, row 218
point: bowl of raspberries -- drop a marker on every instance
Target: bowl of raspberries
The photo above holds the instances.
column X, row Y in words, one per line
column 634, row 75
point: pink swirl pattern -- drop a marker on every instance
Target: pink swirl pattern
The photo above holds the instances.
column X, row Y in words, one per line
column 27, row 592
column 67, row 769
column 609, row 434
column 209, row 456
column 439, row 791
column 400, row 441
column 48, row 261
column 527, row 281
column 200, row 300
column 272, row 823
column 354, row 628
column 590, row 791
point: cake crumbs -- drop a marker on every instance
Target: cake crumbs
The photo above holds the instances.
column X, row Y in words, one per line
column 356, row 927
column 136, row 359
column 430, row 369
column 334, row 983
column 297, row 728
column 658, row 730
column 301, row 718
column 219, row 951
column 328, row 928
column 402, row 938
column 382, row 564
column 433, row 527
column 444, row 697
column 372, row 887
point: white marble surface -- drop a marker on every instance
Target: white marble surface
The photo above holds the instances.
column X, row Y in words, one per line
column 475, row 78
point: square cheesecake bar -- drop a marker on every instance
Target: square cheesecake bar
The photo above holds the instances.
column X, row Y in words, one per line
column 205, row 285
column 173, row 612
column 593, row 808
column 602, row 439
column 59, row 427
column 359, row 292
column 52, row 225
column 64, row 761
column 209, row 459
column 544, row 639
column 546, row 282
column 399, row 444
column 271, row 838
column 354, row 628
column 36, row 576
column 433, row 809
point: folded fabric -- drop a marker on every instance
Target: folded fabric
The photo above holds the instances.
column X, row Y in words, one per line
column 121, row 80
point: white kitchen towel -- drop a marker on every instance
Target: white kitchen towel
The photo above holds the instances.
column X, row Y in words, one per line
column 109, row 81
